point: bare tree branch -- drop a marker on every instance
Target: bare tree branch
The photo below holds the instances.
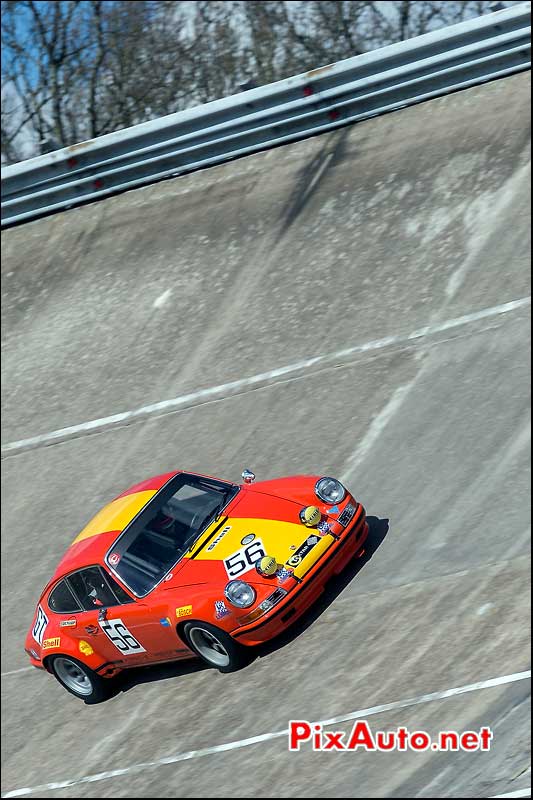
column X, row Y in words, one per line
column 77, row 69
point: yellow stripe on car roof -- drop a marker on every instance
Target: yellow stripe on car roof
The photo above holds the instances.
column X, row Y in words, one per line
column 116, row 515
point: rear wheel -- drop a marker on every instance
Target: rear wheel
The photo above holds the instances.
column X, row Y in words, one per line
column 79, row 679
column 215, row 646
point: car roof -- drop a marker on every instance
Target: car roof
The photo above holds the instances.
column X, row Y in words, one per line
column 93, row 542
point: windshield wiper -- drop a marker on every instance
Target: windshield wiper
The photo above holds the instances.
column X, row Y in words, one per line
column 214, row 516
column 226, row 494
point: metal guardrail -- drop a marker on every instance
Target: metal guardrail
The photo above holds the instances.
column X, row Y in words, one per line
column 418, row 69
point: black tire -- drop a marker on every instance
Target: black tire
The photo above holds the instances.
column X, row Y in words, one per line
column 69, row 672
column 215, row 647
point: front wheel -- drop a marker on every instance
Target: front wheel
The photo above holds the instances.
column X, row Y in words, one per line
column 215, row 646
column 79, row 679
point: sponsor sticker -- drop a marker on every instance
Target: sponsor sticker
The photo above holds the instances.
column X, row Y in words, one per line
column 165, row 622
column 184, row 611
column 114, row 558
column 323, row 528
column 303, row 550
column 92, row 629
column 48, row 644
column 220, row 536
column 68, row 623
column 85, row 648
column 221, row 609
column 283, row 573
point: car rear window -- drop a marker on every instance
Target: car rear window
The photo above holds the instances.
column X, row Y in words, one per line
column 166, row 528
column 62, row 600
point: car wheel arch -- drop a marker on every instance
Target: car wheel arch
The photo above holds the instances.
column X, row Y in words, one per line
column 47, row 660
column 180, row 631
column 180, row 628
column 92, row 662
column 236, row 655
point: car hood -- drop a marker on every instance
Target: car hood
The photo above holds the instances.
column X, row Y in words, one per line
column 256, row 524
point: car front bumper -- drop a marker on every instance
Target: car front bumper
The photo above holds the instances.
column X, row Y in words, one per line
column 304, row 594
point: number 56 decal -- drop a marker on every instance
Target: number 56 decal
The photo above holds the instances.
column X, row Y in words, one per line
column 116, row 631
column 244, row 559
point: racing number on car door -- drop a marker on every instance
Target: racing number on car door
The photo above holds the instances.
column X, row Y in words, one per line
column 244, row 559
column 122, row 638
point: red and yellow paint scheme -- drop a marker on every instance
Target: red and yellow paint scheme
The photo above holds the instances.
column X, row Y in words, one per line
column 277, row 540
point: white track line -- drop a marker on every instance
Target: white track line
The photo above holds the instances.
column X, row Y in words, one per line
column 376, row 427
column 16, row 671
column 225, row 390
column 265, row 737
column 518, row 793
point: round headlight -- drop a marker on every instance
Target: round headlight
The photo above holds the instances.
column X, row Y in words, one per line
column 240, row 594
column 330, row 490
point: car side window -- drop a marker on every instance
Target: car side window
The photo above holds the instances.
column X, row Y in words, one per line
column 96, row 589
column 92, row 589
column 62, row 601
column 122, row 596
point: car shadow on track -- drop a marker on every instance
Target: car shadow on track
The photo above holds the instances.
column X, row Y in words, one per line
column 158, row 672
column 378, row 529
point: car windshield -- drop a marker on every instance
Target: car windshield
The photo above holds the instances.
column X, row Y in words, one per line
column 169, row 525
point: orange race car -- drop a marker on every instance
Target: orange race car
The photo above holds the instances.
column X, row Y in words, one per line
column 183, row 565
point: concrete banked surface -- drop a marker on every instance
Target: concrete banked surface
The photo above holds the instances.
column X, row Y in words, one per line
column 400, row 224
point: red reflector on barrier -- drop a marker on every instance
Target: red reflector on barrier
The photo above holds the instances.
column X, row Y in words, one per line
column 308, row 90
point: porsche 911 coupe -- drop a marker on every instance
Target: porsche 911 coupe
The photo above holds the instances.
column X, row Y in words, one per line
column 185, row 565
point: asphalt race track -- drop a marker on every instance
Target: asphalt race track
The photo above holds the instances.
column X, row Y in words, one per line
column 398, row 252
